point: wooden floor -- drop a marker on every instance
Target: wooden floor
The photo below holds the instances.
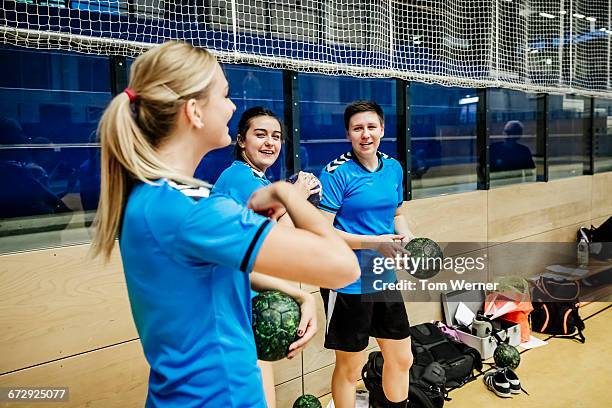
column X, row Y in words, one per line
column 562, row 374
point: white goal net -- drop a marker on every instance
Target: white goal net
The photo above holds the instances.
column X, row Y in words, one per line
column 558, row 46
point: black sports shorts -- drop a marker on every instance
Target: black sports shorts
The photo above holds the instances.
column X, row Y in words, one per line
column 353, row 318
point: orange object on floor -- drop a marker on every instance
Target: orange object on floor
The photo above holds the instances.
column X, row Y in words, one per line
column 519, row 313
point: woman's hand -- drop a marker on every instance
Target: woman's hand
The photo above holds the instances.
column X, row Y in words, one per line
column 308, row 320
column 308, row 323
column 265, row 201
column 390, row 245
column 308, row 183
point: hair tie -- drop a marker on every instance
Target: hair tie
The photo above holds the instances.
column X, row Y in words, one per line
column 134, row 102
column 131, row 94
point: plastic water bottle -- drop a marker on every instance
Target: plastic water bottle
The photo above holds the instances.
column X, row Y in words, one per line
column 582, row 255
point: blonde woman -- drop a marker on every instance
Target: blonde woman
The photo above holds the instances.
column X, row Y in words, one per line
column 186, row 255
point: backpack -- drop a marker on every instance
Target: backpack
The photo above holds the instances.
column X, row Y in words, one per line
column 555, row 309
column 599, row 239
column 459, row 360
column 426, row 384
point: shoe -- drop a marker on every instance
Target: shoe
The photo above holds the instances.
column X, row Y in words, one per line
column 362, row 399
column 497, row 382
column 515, row 384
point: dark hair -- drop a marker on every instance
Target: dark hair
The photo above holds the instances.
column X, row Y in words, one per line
column 11, row 132
column 513, row 128
column 245, row 123
column 362, row 106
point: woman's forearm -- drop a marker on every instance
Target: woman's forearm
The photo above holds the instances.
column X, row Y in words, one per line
column 402, row 228
column 303, row 214
column 260, row 282
column 356, row 241
column 286, row 220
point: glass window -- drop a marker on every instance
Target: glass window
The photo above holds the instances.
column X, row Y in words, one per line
column 567, row 127
column 602, row 148
column 249, row 86
column 323, row 100
column 51, row 3
column 443, row 145
column 112, row 6
column 512, row 136
column 50, row 104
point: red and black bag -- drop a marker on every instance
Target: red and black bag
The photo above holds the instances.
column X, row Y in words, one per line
column 555, row 308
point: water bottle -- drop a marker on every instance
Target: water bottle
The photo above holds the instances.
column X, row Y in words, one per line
column 582, row 255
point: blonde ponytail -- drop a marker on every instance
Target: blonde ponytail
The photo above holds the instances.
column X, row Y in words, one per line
column 129, row 133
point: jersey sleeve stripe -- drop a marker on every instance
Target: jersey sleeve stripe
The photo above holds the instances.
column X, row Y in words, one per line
column 196, row 194
column 334, row 164
column 327, row 208
column 247, row 256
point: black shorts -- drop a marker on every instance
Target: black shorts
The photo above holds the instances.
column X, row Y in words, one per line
column 352, row 319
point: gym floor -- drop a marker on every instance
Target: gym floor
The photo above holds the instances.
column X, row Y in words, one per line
column 561, row 374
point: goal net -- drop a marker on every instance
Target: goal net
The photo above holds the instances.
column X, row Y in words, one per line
column 557, row 46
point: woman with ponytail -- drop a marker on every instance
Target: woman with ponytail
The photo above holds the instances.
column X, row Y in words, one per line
column 187, row 254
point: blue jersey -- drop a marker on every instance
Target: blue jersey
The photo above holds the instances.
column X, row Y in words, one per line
column 239, row 181
column 364, row 202
column 186, row 257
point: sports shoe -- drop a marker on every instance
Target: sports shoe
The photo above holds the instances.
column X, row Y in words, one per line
column 362, row 400
column 515, row 384
column 497, row 382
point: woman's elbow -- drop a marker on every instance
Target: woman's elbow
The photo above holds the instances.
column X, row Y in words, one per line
column 343, row 269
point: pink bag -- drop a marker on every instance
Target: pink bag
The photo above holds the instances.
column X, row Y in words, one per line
column 449, row 331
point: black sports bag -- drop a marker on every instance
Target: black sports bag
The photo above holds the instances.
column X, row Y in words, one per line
column 426, row 384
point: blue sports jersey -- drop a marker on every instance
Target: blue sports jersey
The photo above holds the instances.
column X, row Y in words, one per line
column 239, row 181
column 364, row 203
column 186, row 257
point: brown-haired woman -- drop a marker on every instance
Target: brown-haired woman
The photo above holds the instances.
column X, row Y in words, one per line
column 258, row 146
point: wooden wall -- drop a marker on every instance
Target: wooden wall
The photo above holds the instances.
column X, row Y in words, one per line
column 65, row 320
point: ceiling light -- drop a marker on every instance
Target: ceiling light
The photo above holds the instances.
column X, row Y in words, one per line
column 591, row 18
column 467, row 101
column 578, row 15
column 547, row 15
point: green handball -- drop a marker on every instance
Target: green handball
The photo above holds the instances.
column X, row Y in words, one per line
column 307, row 401
column 506, row 355
column 276, row 317
column 430, row 254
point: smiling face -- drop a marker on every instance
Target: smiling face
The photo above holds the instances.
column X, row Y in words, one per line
column 365, row 131
column 262, row 143
column 216, row 111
